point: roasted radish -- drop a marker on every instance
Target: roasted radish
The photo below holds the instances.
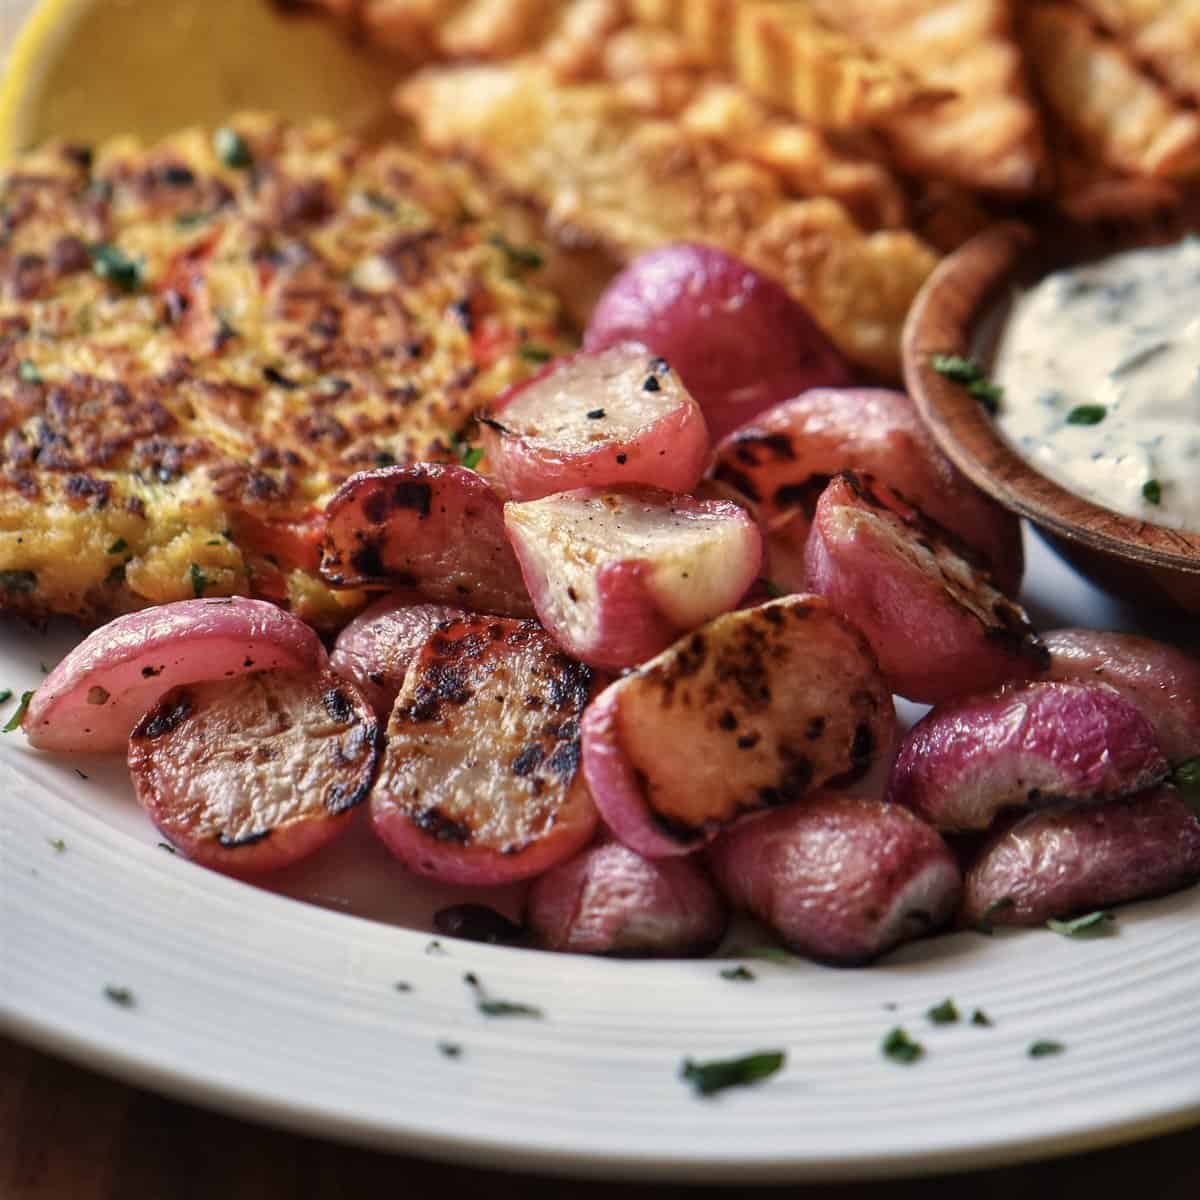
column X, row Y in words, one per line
column 739, row 341
column 937, row 622
column 374, row 650
column 839, row 878
column 756, row 709
column 252, row 774
column 96, row 695
column 618, row 416
column 480, row 780
column 617, row 575
column 783, row 460
column 1068, row 861
column 1024, row 746
column 433, row 528
column 1161, row 681
column 609, row 900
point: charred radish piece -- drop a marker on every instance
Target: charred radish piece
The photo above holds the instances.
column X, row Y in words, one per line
column 739, row 341
column 609, row 900
column 842, row 879
column 755, row 710
column 618, row 416
column 433, row 528
column 480, row 780
column 1024, row 746
column 937, row 622
column 253, row 774
column 1073, row 860
column 617, row 575
column 782, row 461
column 95, row 696
column 1162, row 682
column 374, row 650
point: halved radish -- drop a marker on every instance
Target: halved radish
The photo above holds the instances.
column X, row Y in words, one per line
column 617, row 575
column 435, row 528
column 253, row 774
column 758, row 708
column 739, row 341
column 1072, row 860
column 937, row 622
column 375, row 649
column 96, row 695
column 840, row 878
column 618, row 416
column 1161, row 681
column 480, row 780
column 783, row 460
column 609, row 900
column 1023, row 746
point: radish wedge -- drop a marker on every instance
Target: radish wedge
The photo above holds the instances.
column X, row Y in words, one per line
column 253, row 774
column 434, row 528
column 1072, row 860
column 840, row 878
column 375, row 649
column 95, row 696
column 936, row 620
column 617, row 575
column 609, row 900
column 618, row 416
column 1025, row 746
column 757, row 709
column 739, row 341
column 783, row 460
column 480, row 782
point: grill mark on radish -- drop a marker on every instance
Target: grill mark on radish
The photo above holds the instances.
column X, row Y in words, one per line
column 166, row 718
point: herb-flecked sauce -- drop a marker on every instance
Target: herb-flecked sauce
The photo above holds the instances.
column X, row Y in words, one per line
column 1100, row 367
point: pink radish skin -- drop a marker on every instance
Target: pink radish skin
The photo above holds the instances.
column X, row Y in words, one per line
column 752, row 711
column 842, row 879
column 480, row 779
column 95, row 696
column 619, row 416
column 1075, row 860
column 936, row 621
column 1162, row 682
column 434, row 528
column 616, row 576
column 783, row 460
column 609, row 900
column 1024, row 746
column 738, row 340
column 375, row 649
column 253, row 775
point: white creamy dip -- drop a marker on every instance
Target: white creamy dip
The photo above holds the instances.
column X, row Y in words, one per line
column 1100, row 367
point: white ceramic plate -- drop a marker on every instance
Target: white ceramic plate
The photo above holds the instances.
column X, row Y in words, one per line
column 288, row 1012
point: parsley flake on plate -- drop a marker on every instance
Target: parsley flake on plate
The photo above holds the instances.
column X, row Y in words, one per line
column 491, row 1007
column 900, row 1048
column 114, row 266
column 717, row 1074
column 943, row 1014
column 980, row 1018
column 122, row 997
column 739, row 974
column 1044, row 1048
column 1091, row 924
column 14, row 721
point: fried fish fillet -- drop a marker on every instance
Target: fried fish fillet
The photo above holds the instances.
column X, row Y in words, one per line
column 1164, row 34
column 605, row 174
column 200, row 340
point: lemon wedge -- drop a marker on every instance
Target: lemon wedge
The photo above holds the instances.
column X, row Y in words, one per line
column 90, row 69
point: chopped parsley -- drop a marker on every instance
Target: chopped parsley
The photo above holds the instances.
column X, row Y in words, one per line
column 739, row 974
column 199, row 580
column 434, row 947
column 402, row 985
column 1044, row 1048
column 449, row 1049
column 1089, row 925
column 80, row 773
column 57, row 844
column 498, row 1008
column 972, row 376
column 943, row 1014
column 232, row 149
column 1087, row 414
column 18, row 583
column 718, row 1074
column 1152, row 491
column 470, row 456
column 535, row 354
column 984, row 924
column 979, row 1017
column 27, row 372
column 118, row 546
column 1186, row 778
column 526, row 257
column 900, row 1048
column 14, row 722
column 116, row 267
column 167, row 847
column 5, row 695
column 122, row 997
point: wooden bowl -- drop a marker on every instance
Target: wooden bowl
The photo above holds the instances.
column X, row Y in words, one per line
column 961, row 310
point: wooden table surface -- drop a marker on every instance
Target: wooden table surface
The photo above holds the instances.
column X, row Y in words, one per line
column 70, row 1134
